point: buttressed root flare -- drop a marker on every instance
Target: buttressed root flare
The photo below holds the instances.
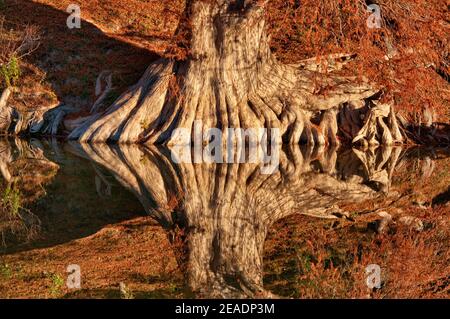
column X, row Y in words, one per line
column 231, row 79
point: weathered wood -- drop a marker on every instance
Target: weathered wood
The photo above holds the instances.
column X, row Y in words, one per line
column 231, row 79
column 5, row 111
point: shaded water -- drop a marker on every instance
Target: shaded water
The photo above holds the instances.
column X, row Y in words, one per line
column 217, row 217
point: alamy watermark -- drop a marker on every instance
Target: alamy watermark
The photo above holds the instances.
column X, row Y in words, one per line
column 374, row 20
column 232, row 145
column 74, row 278
column 373, row 279
column 74, row 19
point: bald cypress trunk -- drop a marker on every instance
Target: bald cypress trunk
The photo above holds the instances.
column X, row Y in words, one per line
column 232, row 80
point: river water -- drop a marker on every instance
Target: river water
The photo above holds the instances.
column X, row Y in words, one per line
column 230, row 230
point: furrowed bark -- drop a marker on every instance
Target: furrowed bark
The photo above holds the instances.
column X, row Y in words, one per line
column 232, row 80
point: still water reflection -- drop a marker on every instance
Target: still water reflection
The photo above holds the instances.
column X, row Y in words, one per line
column 223, row 210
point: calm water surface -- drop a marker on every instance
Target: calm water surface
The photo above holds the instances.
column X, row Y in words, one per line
column 224, row 211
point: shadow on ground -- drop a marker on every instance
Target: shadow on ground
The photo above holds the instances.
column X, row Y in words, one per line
column 70, row 60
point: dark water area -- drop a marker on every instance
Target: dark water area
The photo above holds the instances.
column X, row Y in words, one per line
column 71, row 196
column 223, row 223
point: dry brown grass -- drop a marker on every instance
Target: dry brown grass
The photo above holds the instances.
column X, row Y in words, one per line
column 415, row 32
column 15, row 45
column 308, row 259
column 416, row 78
column 136, row 253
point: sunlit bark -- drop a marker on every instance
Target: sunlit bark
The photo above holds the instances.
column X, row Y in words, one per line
column 231, row 79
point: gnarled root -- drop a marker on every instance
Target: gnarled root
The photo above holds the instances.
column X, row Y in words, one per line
column 149, row 113
column 133, row 112
column 6, row 113
column 50, row 122
column 376, row 131
column 232, row 80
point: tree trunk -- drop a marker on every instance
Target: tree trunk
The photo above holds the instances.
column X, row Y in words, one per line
column 226, row 210
column 232, row 80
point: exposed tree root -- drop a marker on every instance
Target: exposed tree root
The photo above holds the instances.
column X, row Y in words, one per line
column 49, row 123
column 126, row 119
column 232, row 80
column 6, row 113
column 375, row 130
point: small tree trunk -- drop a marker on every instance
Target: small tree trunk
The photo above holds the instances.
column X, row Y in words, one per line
column 232, row 80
